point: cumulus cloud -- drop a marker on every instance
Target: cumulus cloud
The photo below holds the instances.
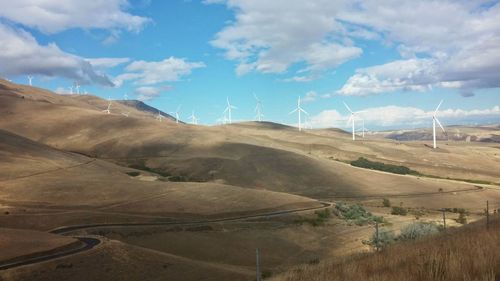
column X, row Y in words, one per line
column 148, row 93
column 310, row 96
column 150, row 73
column 412, row 74
column 397, row 116
column 21, row 54
column 107, row 62
column 271, row 36
column 436, row 49
column 459, row 51
column 52, row 16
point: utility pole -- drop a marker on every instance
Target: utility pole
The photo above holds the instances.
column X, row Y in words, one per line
column 377, row 243
column 444, row 219
column 487, row 215
column 258, row 264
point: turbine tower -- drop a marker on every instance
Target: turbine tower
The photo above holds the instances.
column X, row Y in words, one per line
column 77, row 86
column 193, row 118
column 434, row 121
column 228, row 110
column 258, row 109
column 70, row 90
column 299, row 110
column 176, row 113
column 351, row 119
column 159, row 117
column 107, row 110
column 30, row 79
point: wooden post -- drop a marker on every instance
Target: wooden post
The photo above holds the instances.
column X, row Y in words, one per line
column 377, row 243
column 444, row 219
column 258, row 265
column 487, row 215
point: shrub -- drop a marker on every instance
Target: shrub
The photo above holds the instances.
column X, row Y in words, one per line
column 177, row 178
column 373, row 165
column 357, row 214
column 385, row 238
column 462, row 218
column 133, row 173
column 386, row 202
column 396, row 210
column 418, row 230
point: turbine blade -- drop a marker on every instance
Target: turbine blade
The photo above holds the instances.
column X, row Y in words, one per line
column 439, row 123
column 349, row 120
column 304, row 111
column 348, row 108
column 437, row 108
column 293, row 111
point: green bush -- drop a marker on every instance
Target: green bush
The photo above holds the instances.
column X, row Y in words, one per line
column 133, row 173
column 396, row 210
column 373, row 165
column 356, row 213
column 386, row 202
column 177, row 178
column 418, row 230
column 462, row 218
column 385, row 238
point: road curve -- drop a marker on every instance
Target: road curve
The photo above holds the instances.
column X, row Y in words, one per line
column 88, row 243
column 91, row 242
column 71, row 228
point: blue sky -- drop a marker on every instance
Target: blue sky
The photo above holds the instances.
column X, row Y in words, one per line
column 195, row 54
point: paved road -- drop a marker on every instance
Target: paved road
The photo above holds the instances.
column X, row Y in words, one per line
column 87, row 244
column 91, row 242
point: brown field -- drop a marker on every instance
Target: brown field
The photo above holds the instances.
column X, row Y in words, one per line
column 64, row 162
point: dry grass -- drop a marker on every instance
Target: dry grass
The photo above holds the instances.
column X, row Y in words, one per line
column 468, row 253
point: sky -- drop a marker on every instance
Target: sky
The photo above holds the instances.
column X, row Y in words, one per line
column 394, row 60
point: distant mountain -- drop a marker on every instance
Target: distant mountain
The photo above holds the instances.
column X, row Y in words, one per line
column 453, row 133
column 141, row 106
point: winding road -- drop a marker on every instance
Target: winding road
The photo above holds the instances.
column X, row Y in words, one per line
column 90, row 242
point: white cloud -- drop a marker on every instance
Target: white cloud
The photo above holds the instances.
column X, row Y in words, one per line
column 52, row 16
column 396, row 116
column 149, row 73
column 107, row 62
column 21, row 54
column 310, row 96
column 456, row 45
column 148, row 93
column 461, row 51
column 412, row 74
column 271, row 36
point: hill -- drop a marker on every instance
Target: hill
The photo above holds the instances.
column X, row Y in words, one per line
column 468, row 253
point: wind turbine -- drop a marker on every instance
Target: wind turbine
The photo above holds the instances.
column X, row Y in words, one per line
column 434, row 121
column 159, row 117
column 77, row 86
column 193, row 118
column 351, row 119
column 299, row 110
column 30, row 79
column 258, row 109
column 228, row 110
column 125, row 97
column 176, row 114
column 107, row 110
column 70, row 90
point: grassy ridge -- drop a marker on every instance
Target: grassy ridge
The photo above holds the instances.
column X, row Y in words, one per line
column 467, row 253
